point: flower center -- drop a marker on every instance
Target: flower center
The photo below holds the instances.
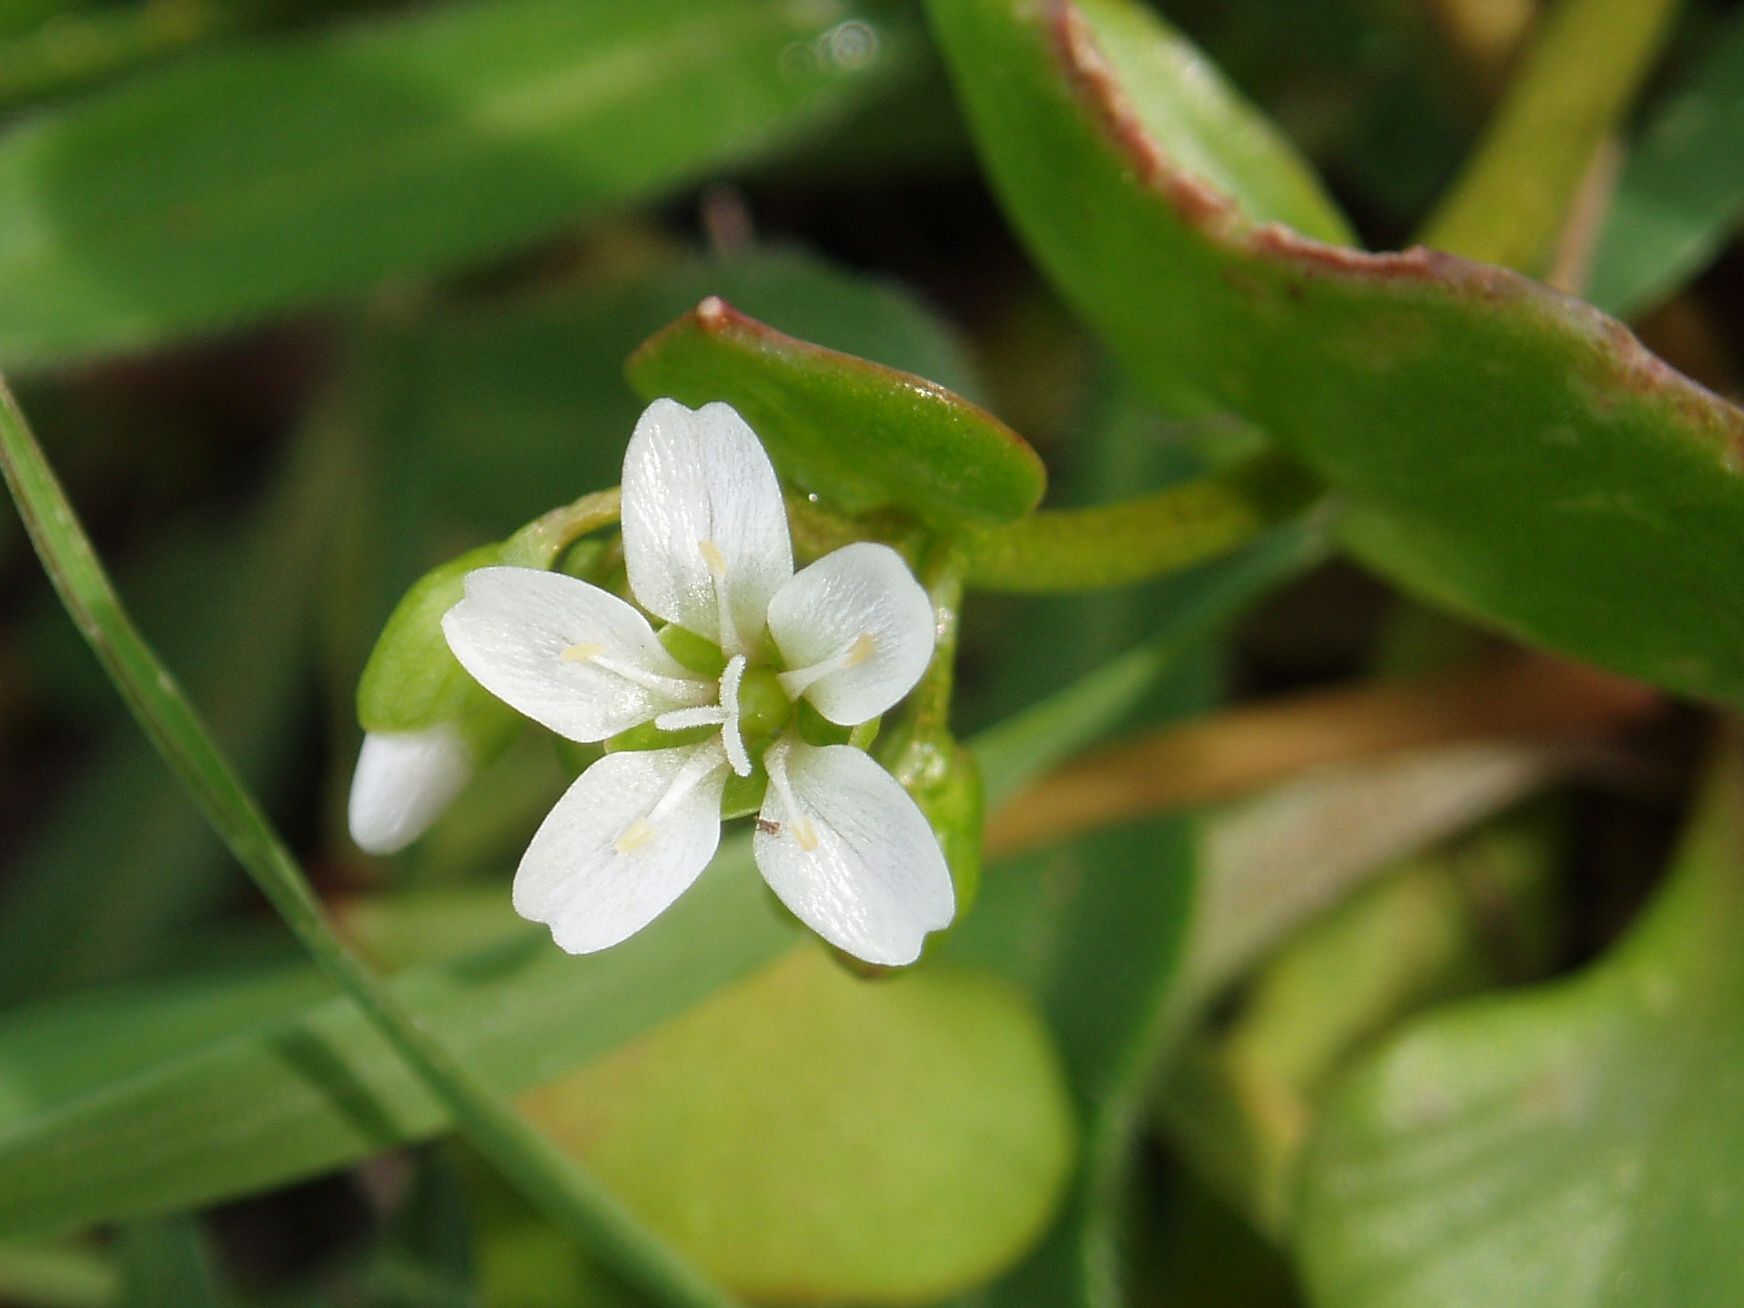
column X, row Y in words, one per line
column 724, row 714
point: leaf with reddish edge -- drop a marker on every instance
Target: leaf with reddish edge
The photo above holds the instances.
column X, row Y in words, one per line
column 860, row 435
column 1509, row 451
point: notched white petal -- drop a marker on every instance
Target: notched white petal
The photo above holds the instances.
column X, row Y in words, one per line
column 569, row 655
column 627, row 838
column 404, row 781
column 847, row 850
column 705, row 530
column 856, row 631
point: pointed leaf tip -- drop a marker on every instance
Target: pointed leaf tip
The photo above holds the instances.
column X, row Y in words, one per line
column 854, row 432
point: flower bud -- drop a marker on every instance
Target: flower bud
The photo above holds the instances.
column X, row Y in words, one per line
column 429, row 726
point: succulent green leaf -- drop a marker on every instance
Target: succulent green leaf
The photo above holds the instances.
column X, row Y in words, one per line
column 860, row 435
column 1681, row 195
column 808, row 1136
column 278, row 173
column 1510, row 452
column 1574, row 1147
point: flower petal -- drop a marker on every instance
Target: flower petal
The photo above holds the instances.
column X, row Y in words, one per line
column 404, row 781
column 569, row 655
column 856, row 630
column 625, row 840
column 851, row 854
column 705, row 528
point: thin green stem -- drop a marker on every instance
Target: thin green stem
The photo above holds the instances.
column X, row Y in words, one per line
column 1135, row 540
column 526, row 1158
column 541, row 541
column 1576, row 79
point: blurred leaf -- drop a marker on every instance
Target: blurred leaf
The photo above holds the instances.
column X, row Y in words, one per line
column 863, row 436
column 127, row 858
column 234, row 184
column 1681, row 195
column 295, row 1096
column 1505, row 450
column 808, row 1135
column 1240, row 1101
column 1130, row 933
column 1569, row 87
column 164, row 1264
column 1575, row 1146
column 1095, row 928
column 58, row 1276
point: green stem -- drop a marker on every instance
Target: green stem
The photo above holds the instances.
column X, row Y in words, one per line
column 541, row 541
column 1576, row 79
column 1138, row 539
column 526, row 1158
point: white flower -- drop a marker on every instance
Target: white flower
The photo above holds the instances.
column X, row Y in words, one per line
column 707, row 549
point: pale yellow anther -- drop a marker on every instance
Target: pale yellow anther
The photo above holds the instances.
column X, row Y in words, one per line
column 635, row 834
column 711, row 555
column 806, row 834
column 581, row 653
column 859, row 651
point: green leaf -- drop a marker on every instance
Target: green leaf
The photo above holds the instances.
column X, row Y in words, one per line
column 807, row 1135
column 1572, row 1147
column 319, row 1086
column 1681, row 194
column 1509, row 452
column 860, row 435
column 237, row 183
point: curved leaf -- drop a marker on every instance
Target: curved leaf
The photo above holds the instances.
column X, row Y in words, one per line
column 861, row 435
column 1509, row 451
column 1578, row 1147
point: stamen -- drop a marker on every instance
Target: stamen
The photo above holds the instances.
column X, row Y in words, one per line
column 797, row 822
column 637, row 833
column 799, row 680
column 692, row 774
column 705, row 761
column 731, row 736
column 710, row 715
column 683, row 689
